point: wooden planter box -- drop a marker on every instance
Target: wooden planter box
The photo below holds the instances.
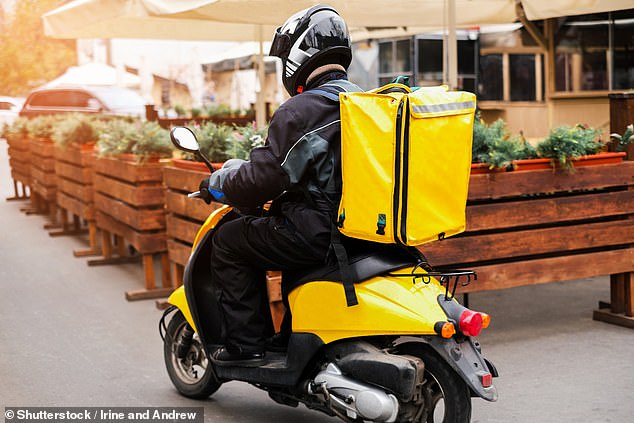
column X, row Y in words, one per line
column 20, row 163
column 544, row 226
column 229, row 121
column 184, row 218
column 129, row 201
column 74, row 172
column 43, row 180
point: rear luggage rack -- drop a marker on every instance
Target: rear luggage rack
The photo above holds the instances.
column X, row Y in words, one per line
column 449, row 278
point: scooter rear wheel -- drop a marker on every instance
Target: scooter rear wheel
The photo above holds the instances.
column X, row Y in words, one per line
column 193, row 376
column 444, row 396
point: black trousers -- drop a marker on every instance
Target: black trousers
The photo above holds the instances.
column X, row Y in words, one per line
column 243, row 250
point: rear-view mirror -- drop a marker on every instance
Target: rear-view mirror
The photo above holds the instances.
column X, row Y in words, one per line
column 184, row 139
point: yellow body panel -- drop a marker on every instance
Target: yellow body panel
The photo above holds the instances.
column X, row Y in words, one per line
column 210, row 223
column 178, row 299
column 387, row 306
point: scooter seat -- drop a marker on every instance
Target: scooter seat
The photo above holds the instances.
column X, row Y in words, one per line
column 366, row 259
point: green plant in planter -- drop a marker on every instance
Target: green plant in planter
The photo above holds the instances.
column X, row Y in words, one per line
column 144, row 139
column 17, row 129
column 180, row 110
column 214, row 141
column 220, row 110
column 622, row 141
column 565, row 144
column 76, row 129
column 506, row 150
column 115, row 137
column 494, row 145
column 152, row 140
column 244, row 139
column 42, row 126
column 196, row 112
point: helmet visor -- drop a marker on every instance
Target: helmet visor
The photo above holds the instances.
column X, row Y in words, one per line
column 281, row 45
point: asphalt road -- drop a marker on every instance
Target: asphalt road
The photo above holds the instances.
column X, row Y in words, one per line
column 69, row 338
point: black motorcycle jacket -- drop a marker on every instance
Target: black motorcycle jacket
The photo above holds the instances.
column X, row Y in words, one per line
column 299, row 167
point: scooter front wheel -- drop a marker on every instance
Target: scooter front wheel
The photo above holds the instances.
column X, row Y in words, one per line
column 186, row 360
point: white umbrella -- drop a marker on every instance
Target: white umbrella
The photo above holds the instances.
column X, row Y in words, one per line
column 240, row 20
column 544, row 9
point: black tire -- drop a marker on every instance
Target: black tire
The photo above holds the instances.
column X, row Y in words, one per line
column 193, row 376
column 445, row 397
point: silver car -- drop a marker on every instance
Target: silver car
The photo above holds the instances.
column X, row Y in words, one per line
column 9, row 109
column 105, row 100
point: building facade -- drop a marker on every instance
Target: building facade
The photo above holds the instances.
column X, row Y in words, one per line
column 560, row 76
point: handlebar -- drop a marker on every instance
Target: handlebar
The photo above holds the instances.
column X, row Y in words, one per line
column 194, row 195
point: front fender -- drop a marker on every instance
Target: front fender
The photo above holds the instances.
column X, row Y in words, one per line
column 179, row 300
column 464, row 357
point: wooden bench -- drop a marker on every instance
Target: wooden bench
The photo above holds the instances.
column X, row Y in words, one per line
column 540, row 226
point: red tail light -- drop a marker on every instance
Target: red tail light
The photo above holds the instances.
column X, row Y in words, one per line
column 470, row 323
column 486, row 379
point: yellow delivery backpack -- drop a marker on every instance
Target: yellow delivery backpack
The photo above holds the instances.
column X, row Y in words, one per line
column 406, row 160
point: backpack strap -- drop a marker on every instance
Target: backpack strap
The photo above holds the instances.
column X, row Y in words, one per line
column 331, row 91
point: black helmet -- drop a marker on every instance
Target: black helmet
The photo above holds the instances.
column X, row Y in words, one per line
column 309, row 39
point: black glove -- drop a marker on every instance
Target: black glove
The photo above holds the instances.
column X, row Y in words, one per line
column 203, row 187
column 210, row 194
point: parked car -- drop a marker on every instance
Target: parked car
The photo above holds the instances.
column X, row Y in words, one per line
column 105, row 100
column 9, row 109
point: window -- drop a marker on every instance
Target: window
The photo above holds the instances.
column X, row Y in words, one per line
column 431, row 58
column 430, row 62
column 522, row 77
column 491, row 77
column 165, row 93
column 63, row 98
column 595, row 52
column 467, row 65
column 511, row 77
column 395, row 59
column 623, row 51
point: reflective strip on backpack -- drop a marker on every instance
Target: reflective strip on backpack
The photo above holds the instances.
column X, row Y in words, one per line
column 435, row 108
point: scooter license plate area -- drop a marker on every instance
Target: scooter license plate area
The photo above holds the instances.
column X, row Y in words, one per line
column 465, row 358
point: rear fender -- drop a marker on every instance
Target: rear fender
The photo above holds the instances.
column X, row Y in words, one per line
column 464, row 357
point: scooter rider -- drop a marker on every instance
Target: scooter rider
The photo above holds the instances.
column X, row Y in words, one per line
column 298, row 167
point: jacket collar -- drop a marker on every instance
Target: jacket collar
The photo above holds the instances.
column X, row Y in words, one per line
column 326, row 77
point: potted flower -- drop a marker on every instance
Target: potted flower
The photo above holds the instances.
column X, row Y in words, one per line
column 244, row 139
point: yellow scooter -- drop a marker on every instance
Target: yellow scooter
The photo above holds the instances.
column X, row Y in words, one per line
column 406, row 353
